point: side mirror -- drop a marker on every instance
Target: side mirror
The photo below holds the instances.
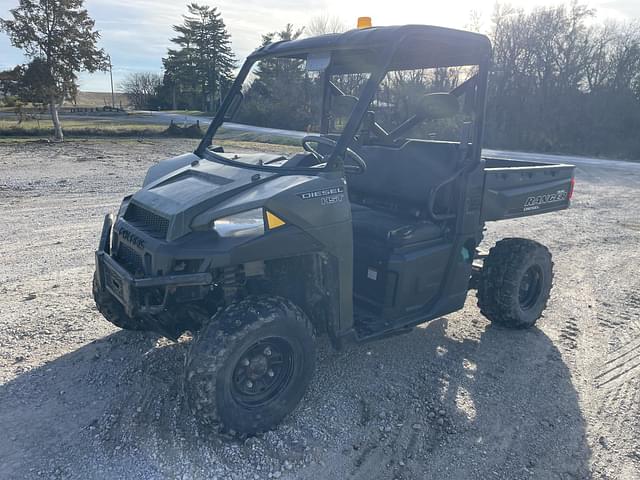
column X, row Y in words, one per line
column 233, row 108
column 435, row 106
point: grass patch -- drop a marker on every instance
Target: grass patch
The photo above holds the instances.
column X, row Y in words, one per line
column 122, row 128
column 229, row 145
column 80, row 128
column 99, row 99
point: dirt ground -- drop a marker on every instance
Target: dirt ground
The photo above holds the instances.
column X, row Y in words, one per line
column 454, row 399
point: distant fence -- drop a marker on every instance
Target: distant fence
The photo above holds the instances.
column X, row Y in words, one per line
column 69, row 110
column 106, row 108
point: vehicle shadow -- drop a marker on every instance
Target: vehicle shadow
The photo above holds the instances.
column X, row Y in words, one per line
column 459, row 400
column 430, row 404
column 510, row 399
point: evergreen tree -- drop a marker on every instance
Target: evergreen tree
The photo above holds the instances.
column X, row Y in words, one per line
column 10, row 81
column 202, row 64
column 282, row 94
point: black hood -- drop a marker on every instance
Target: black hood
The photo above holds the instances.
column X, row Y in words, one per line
column 190, row 190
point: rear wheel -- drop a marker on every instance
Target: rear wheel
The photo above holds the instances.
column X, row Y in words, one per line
column 249, row 367
column 515, row 283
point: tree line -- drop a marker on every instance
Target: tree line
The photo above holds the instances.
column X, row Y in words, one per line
column 563, row 83
column 560, row 81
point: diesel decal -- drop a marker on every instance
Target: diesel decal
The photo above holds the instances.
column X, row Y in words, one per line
column 534, row 203
column 322, row 193
column 131, row 238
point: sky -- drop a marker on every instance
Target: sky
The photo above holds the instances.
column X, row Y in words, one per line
column 136, row 33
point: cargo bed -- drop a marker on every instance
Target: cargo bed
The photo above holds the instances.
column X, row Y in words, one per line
column 515, row 188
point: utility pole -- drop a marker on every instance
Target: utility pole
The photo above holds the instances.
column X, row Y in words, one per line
column 113, row 97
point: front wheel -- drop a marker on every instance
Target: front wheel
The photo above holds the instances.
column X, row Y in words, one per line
column 515, row 282
column 249, row 367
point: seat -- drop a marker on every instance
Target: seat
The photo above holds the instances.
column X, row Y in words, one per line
column 385, row 228
column 406, row 175
column 389, row 200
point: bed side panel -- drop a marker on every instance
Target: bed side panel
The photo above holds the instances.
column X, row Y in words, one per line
column 519, row 191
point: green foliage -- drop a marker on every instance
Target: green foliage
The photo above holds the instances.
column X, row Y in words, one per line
column 282, row 95
column 10, row 82
column 37, row 85
column 201, row 66
column 30, row 83
column 61, row 35
column 11, row 101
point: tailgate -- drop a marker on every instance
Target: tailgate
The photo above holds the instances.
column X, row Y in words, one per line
column 513, row 188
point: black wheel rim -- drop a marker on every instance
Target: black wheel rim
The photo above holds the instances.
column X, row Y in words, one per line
column 530, row 287
column 263, row 372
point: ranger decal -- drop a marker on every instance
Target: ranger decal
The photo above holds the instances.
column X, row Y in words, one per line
column 534, row 203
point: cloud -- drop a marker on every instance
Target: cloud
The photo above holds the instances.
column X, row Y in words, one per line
column 136, row 33
column 627, row 9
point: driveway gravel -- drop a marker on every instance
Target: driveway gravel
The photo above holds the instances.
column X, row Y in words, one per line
column 453, row 399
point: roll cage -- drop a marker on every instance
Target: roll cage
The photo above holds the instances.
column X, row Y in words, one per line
column 376, row 51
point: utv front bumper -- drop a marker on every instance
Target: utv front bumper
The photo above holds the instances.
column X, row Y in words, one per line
column 139, row 296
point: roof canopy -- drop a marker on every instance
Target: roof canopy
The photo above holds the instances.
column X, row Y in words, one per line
column 418, row 46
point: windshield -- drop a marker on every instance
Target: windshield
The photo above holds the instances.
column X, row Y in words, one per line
column 278, row 104
column 281, row 93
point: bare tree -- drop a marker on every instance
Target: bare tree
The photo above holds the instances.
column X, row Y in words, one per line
column 142, row 88
column 625, row 57
column 325, row 23
column 474, row 24
column 597, row 69
column 562, row 83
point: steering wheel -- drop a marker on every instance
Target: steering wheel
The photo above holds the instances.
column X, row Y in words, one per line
column 360, row 165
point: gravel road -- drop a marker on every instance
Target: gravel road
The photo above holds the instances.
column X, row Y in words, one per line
column 453, row 399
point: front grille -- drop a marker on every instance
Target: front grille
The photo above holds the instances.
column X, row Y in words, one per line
column 129, row 258
column 147, row 221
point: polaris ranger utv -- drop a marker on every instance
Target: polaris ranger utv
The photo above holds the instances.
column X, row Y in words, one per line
column 369, row 230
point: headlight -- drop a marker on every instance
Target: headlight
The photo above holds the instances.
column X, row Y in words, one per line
column 245, row 224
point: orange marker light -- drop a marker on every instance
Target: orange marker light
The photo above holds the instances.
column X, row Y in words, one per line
column 273, row 221
column 364, row 22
